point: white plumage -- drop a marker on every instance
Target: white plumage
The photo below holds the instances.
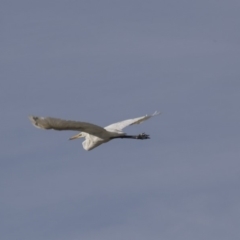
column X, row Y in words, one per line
column 94, row 135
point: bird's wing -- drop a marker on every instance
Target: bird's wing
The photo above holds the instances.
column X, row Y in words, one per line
column 59, row 124
column 120, row 125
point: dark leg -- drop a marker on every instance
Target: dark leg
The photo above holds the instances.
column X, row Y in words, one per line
column 140, row 136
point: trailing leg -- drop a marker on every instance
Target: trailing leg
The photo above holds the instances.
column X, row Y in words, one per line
column 140, row 136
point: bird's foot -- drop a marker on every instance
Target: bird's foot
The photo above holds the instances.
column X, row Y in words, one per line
column 143, row 136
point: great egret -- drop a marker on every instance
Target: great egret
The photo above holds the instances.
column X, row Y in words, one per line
column 94, row 135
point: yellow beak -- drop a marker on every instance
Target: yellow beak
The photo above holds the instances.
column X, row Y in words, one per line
column 79, row 135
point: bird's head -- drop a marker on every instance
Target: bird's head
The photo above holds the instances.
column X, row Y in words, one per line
column 79, row 135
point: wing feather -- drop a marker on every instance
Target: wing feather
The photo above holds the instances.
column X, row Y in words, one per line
column 60, row 124
column 120, row 125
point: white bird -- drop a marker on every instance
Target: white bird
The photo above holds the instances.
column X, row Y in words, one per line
column 94, row 135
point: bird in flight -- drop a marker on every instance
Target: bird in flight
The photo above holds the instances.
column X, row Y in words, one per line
column 94, row 135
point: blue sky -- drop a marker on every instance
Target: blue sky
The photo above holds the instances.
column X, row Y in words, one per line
column 103, row 62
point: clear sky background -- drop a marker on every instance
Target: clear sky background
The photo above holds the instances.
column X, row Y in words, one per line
column 106, row 61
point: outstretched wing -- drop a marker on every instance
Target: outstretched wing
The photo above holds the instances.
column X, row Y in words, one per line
column 59, row 124
column 120, row 125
